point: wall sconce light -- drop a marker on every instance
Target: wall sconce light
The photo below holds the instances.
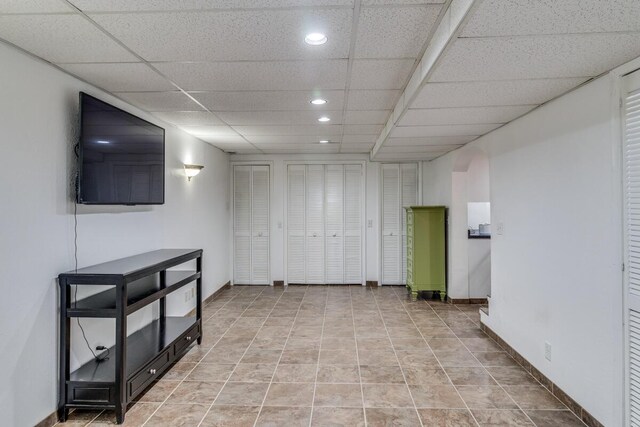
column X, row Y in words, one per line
column 192, row 170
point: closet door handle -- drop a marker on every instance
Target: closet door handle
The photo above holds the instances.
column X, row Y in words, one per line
column 315, row 235
column 260, row 234
column 335, row 234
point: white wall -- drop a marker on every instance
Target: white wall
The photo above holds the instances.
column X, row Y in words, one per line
column 38, row 128
column 556, row 276
column 478, row 250
column 279, row 192
column 453, row 182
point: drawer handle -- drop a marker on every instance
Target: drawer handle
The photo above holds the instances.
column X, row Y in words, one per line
column 152, row 371
column 188, row 338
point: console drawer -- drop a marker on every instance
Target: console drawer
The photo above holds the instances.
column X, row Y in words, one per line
column 148, row 374
column 186, row 339
column 87, row 394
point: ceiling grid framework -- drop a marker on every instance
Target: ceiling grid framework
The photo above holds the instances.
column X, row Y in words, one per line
column 238, row 75
column 506, row 59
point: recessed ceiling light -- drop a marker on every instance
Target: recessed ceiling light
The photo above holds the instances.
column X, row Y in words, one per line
column 324, row 119
column 318, row 101
column 103, row 142
column 315, row 39
column 324, row 141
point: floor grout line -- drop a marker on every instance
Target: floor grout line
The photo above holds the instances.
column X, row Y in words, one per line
column 389, row 306
column 245, row 351
column 264, row 399
column 136, row 402
column 355, row 337
column 497, row 382
column 315, row 382
column 415, row 407
column 436, row 356
column 200, row 361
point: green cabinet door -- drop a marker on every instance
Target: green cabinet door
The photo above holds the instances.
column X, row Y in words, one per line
column 426, row 250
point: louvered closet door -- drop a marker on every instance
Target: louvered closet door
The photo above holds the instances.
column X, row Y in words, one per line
column 334, row 223
column 251, row 225
column 260, row 225
column 399, row 189
column 353, row 241
column 631, row 135
column 242, row 225
column 296, row 184
column 391, row 222
column 314, row 238
column 409, row 197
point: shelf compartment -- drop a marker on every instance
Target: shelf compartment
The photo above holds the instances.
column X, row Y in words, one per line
column 143, row 346
column 139, row 294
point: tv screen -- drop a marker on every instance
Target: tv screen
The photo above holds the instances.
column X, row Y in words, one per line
column 120, row 157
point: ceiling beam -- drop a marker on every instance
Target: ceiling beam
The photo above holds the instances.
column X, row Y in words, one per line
column 443, row 37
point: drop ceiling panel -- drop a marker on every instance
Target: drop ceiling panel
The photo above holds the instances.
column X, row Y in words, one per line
column 492, row 93
column 293, row 147
column 277, row 117
column 399, row 2
column 362, row 129
column 234, row 76
column 436, row 149
column 527, row 17
column 452, row 130
column 33, row 6
column 233, row 146
column 188, row 118
column 359, row 139
column 380, row 73
column 169, row 5
column 372, row 99
column 312, row 130
column 231, row 35
column 306, row 149
column 356, row 148
column 121, row 77
column 469, row 115
column 225, row 140
column 289, row 139
column 160, row 101
column 399, row 157
column 394, row 32
column 61, row 38
column 214, row 132
column 433, row 140
column 536, row 57
column 375, row 117
column 270, row 100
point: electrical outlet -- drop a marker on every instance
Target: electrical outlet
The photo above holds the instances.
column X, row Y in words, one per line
column 547, row 351
column 370, row 223
column 500, row 228
column 186, row 296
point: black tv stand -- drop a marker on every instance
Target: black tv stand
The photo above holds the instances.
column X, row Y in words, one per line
column 135, row 361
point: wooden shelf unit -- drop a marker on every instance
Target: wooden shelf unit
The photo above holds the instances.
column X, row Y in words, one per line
column 138, row 359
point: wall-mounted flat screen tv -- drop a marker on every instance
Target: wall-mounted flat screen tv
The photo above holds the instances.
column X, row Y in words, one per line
column 120, row 157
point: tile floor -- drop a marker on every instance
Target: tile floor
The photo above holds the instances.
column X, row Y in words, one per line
column 341, row 356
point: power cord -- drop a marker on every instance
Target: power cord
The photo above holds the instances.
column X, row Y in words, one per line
column 75, row 257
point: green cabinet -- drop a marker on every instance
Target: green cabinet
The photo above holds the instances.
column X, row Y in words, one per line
column 426, row 250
